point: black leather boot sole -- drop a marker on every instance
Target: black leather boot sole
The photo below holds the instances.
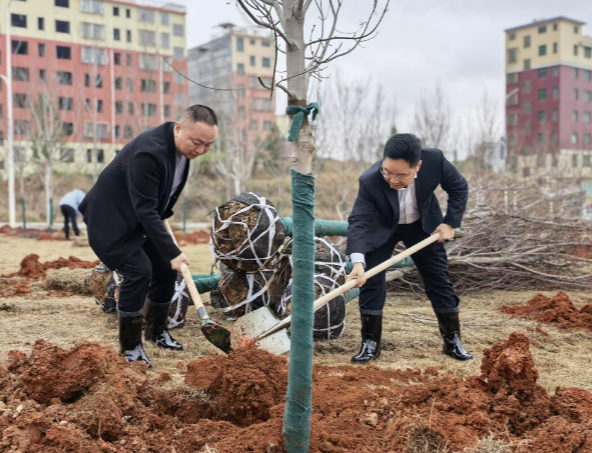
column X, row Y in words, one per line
column 130, row 339
column 156, row 327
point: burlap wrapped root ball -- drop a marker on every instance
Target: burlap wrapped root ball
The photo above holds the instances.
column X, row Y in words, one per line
column 329, row 320
column 246, row 233
column 104, row 285
column 240, row 292
column 179, row 304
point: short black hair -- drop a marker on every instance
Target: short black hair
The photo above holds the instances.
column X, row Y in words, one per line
column 404, row 146
column 200, row 113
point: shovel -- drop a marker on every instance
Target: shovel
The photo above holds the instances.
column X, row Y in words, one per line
column 214, row 333
column 264, row 329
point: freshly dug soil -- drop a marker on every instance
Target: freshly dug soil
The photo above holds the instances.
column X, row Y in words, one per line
column 197, row 237
column 558, row 310
column 89, row 399
column 32, row 269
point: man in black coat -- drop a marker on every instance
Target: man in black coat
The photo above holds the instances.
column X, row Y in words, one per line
column 124, row 213
column 396, row 202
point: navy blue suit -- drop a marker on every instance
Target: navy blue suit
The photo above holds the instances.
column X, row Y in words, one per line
column 374, row 229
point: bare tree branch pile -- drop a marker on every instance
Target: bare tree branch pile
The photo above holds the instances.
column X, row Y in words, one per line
column 521, row 247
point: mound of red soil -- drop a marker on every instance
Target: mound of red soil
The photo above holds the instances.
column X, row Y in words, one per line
column 559, row 311
column 31, row 268
column 197, row 237
column 88, row 399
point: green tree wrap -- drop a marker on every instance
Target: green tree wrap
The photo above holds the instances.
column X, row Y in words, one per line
column 299, row 114
column 296, row 429
column 322, row 227
column 205, row 282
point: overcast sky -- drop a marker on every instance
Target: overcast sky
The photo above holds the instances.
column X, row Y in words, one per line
column 459, row 43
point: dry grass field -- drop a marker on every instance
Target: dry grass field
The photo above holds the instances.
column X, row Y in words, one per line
column 410, row 338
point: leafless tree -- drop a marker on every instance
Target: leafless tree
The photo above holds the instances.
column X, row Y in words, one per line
column 486, row 131
column 432, row 120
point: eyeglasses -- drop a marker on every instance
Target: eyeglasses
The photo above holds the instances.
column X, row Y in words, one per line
column 390, row 176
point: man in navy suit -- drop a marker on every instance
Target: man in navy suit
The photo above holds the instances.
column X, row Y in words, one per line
column 396, row 202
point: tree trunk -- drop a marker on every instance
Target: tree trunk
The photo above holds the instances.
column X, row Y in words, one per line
column 237, row 186
column 48, row 190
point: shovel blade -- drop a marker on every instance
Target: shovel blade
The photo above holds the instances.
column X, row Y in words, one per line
column 250, row 326
column 218, row 336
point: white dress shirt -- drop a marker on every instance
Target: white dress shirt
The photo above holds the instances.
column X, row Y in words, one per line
column 408, row 213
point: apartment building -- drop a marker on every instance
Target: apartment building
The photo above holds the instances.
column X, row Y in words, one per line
column 549, row 98
column 100, row 65
column 234, row 60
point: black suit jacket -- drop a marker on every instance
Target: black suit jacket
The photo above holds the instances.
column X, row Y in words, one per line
column 375, row 215
column 129, row 200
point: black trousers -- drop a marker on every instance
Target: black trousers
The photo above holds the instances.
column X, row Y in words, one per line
column 431, row 262
column 145, row 274
column 69, row 213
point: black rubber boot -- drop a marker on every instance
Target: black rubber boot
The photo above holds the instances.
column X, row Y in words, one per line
column 130, row 338
column 449, row 325
column 371, row 333
column 157, row 332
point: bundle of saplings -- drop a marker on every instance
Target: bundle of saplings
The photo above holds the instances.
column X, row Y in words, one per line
column 246, row 233
column 105, row 284
column 329, row 320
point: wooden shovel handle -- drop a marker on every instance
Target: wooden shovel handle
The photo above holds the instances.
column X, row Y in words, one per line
column 201, row 311
column 351, row 284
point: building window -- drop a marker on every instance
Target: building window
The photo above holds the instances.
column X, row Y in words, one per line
column 117, row 59
column 513, row 55
column 526, row 85
column 512, row 78
column 527, row 129
column 20, row 74
column 574, row 138
column 555, row 93
column 178, row 31
column 118, row 83
column 101, row 154
column 576, row 73
column 240, row 69
column 575, row 94
column 92, row 6
column 64, row 78
column 542, row 116
column 148, row 86
column 129, row 60
column 527, row 64
column 240, row 90
column 574, row 116
column 42, row 73
column 512, row 141
column 147, row 38
column 62, row 26
column 164, row 18
column 587, row 142
column 554, row 115
column 586, row 117
column 512, row 119
column 542, row 94
column 148, row 62
column 241, row 111
column 526, row 42
column 128, row 13
column 130, row 108
column 587, row 74
column 149, row 109
column 116, row 34
column 542, row 73
column 41, row 23
column 253, row 125
column 167, row 111
column 62, row 3
column 555, row 71
column 128, row 132
column 130, row 85
column 18, row 20
column 576, row 30
column 265, row 43
column 20, row 47
column 87, row 105
column 587, row 95
column 575, row 50
column 21, row 101
column 266, row 62
column 64, row 52
column 252, row 60
column 67, row 154
column 526, row 108
column 166, row 87
column 89, row 158
column 65, row 103
column 94, row 55
column 165, row 40
column 116, row 135
column 178, row 53
column 116, row 10
column 147, row 15
column 543, row 29
column 588, row 52
column 574, row 157
column 21, row 127
column 118, row 107
column 128, row 35
column 554, row 27
column 554, row 47
column 554, row 139
column 240, row 45
column 266, row 125
column 512, row 36
column 99, row 106
column 98, row 81
column 542, row 50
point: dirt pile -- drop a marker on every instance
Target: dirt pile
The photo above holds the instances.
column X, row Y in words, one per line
column 88, row 399
column 558, row 310
column 33, row 233
column 197, row 237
